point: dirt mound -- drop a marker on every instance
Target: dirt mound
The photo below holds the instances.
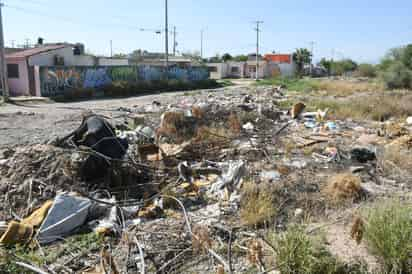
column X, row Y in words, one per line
column 33, row 174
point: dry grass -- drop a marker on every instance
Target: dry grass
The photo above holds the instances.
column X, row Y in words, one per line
column 396, row 158
column 378, row 107
column 343, row 188
column 344, row 87
column 258, row 204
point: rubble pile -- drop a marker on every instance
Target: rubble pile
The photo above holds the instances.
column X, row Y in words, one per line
column 191, row 186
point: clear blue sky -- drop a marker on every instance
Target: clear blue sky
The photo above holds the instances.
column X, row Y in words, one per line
column 363, row 30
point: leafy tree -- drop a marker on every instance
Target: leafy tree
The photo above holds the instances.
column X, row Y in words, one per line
column 302, row 57
column 138, row 54
column 215, row 59
column 226, row 57
column 194, row 55
column 240, row 58
column 396, row 67
column 366, row 70
column 119, row 55
column 342, row 66
column 327, row 64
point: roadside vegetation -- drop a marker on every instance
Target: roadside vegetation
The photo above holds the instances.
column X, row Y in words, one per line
column 296, row 252
column 388, row 233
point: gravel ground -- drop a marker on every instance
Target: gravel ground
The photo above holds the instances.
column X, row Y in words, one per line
column 33, row 123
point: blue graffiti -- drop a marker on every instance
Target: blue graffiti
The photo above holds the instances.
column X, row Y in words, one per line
column 95, row 78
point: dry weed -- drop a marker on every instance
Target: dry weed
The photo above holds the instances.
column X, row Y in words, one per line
column 234, row 123
column 255, row 252
column 357, row 229
column 201, row 239
column 258, row 204
column 396, row 158
column 343, row 187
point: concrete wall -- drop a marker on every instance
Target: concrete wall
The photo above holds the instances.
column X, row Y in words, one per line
column 112, row 62
column 240, row 69
column 287, row 69
column 251, row 69
column 46, row 59
column 220, row 70
column 19, row 86
column 56, row 80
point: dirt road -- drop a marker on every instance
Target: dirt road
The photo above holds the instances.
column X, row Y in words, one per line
column 30, row 123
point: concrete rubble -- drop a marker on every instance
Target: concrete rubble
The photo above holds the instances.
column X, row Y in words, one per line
column 149, row 180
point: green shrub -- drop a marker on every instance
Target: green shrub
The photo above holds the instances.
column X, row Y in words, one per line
column 298, row 253
column 397, row 76
column 388, row 232
column 366, row 70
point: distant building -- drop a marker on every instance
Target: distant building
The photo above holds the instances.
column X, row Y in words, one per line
column 270, row 65
column 23, row 65
column 281, row 64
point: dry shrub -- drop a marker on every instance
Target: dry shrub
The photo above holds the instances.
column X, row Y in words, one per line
column 220, row 269
column 258, row 203
column 343, row 187
column 357, row 229
column 177, row 126
column 201, row 240
column 394, row 130
column 255, row 252
column 234, row 123
column 396, row 158
column 197, row 112
column 211, row 134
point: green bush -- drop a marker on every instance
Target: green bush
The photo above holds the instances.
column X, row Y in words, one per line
column 388, row 232
column 297, row 253
column 366, row 70
column 397, row 76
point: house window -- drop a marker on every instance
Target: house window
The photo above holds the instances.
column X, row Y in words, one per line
column 13, row 70
column 235, row 70
column 252, row 69
column 212, row 69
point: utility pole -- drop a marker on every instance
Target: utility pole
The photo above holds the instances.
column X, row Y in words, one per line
column 167, row 40
column 4, row 78
column 201, row 43
column 312, row 43
column 27, row 45
column 12, row 43
column 111, row 49
column 174, row 40
column 257, row 47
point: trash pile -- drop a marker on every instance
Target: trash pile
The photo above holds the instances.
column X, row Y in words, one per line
column 164, row 188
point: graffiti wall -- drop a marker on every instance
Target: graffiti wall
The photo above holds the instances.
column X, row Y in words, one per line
column 56, row 80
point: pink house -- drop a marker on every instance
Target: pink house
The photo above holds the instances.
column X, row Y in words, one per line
column 23, row 78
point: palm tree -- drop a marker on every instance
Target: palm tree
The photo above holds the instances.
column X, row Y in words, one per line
column 302, row 57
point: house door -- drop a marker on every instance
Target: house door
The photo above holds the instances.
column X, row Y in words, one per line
column 32, row 83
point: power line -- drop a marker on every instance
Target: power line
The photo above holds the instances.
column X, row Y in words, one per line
column 67, row 19
column 4, row 77
column 257, row 47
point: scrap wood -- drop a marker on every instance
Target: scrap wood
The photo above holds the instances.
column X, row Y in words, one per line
column 310, row 141
column 211, row 251
column 32, row 268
